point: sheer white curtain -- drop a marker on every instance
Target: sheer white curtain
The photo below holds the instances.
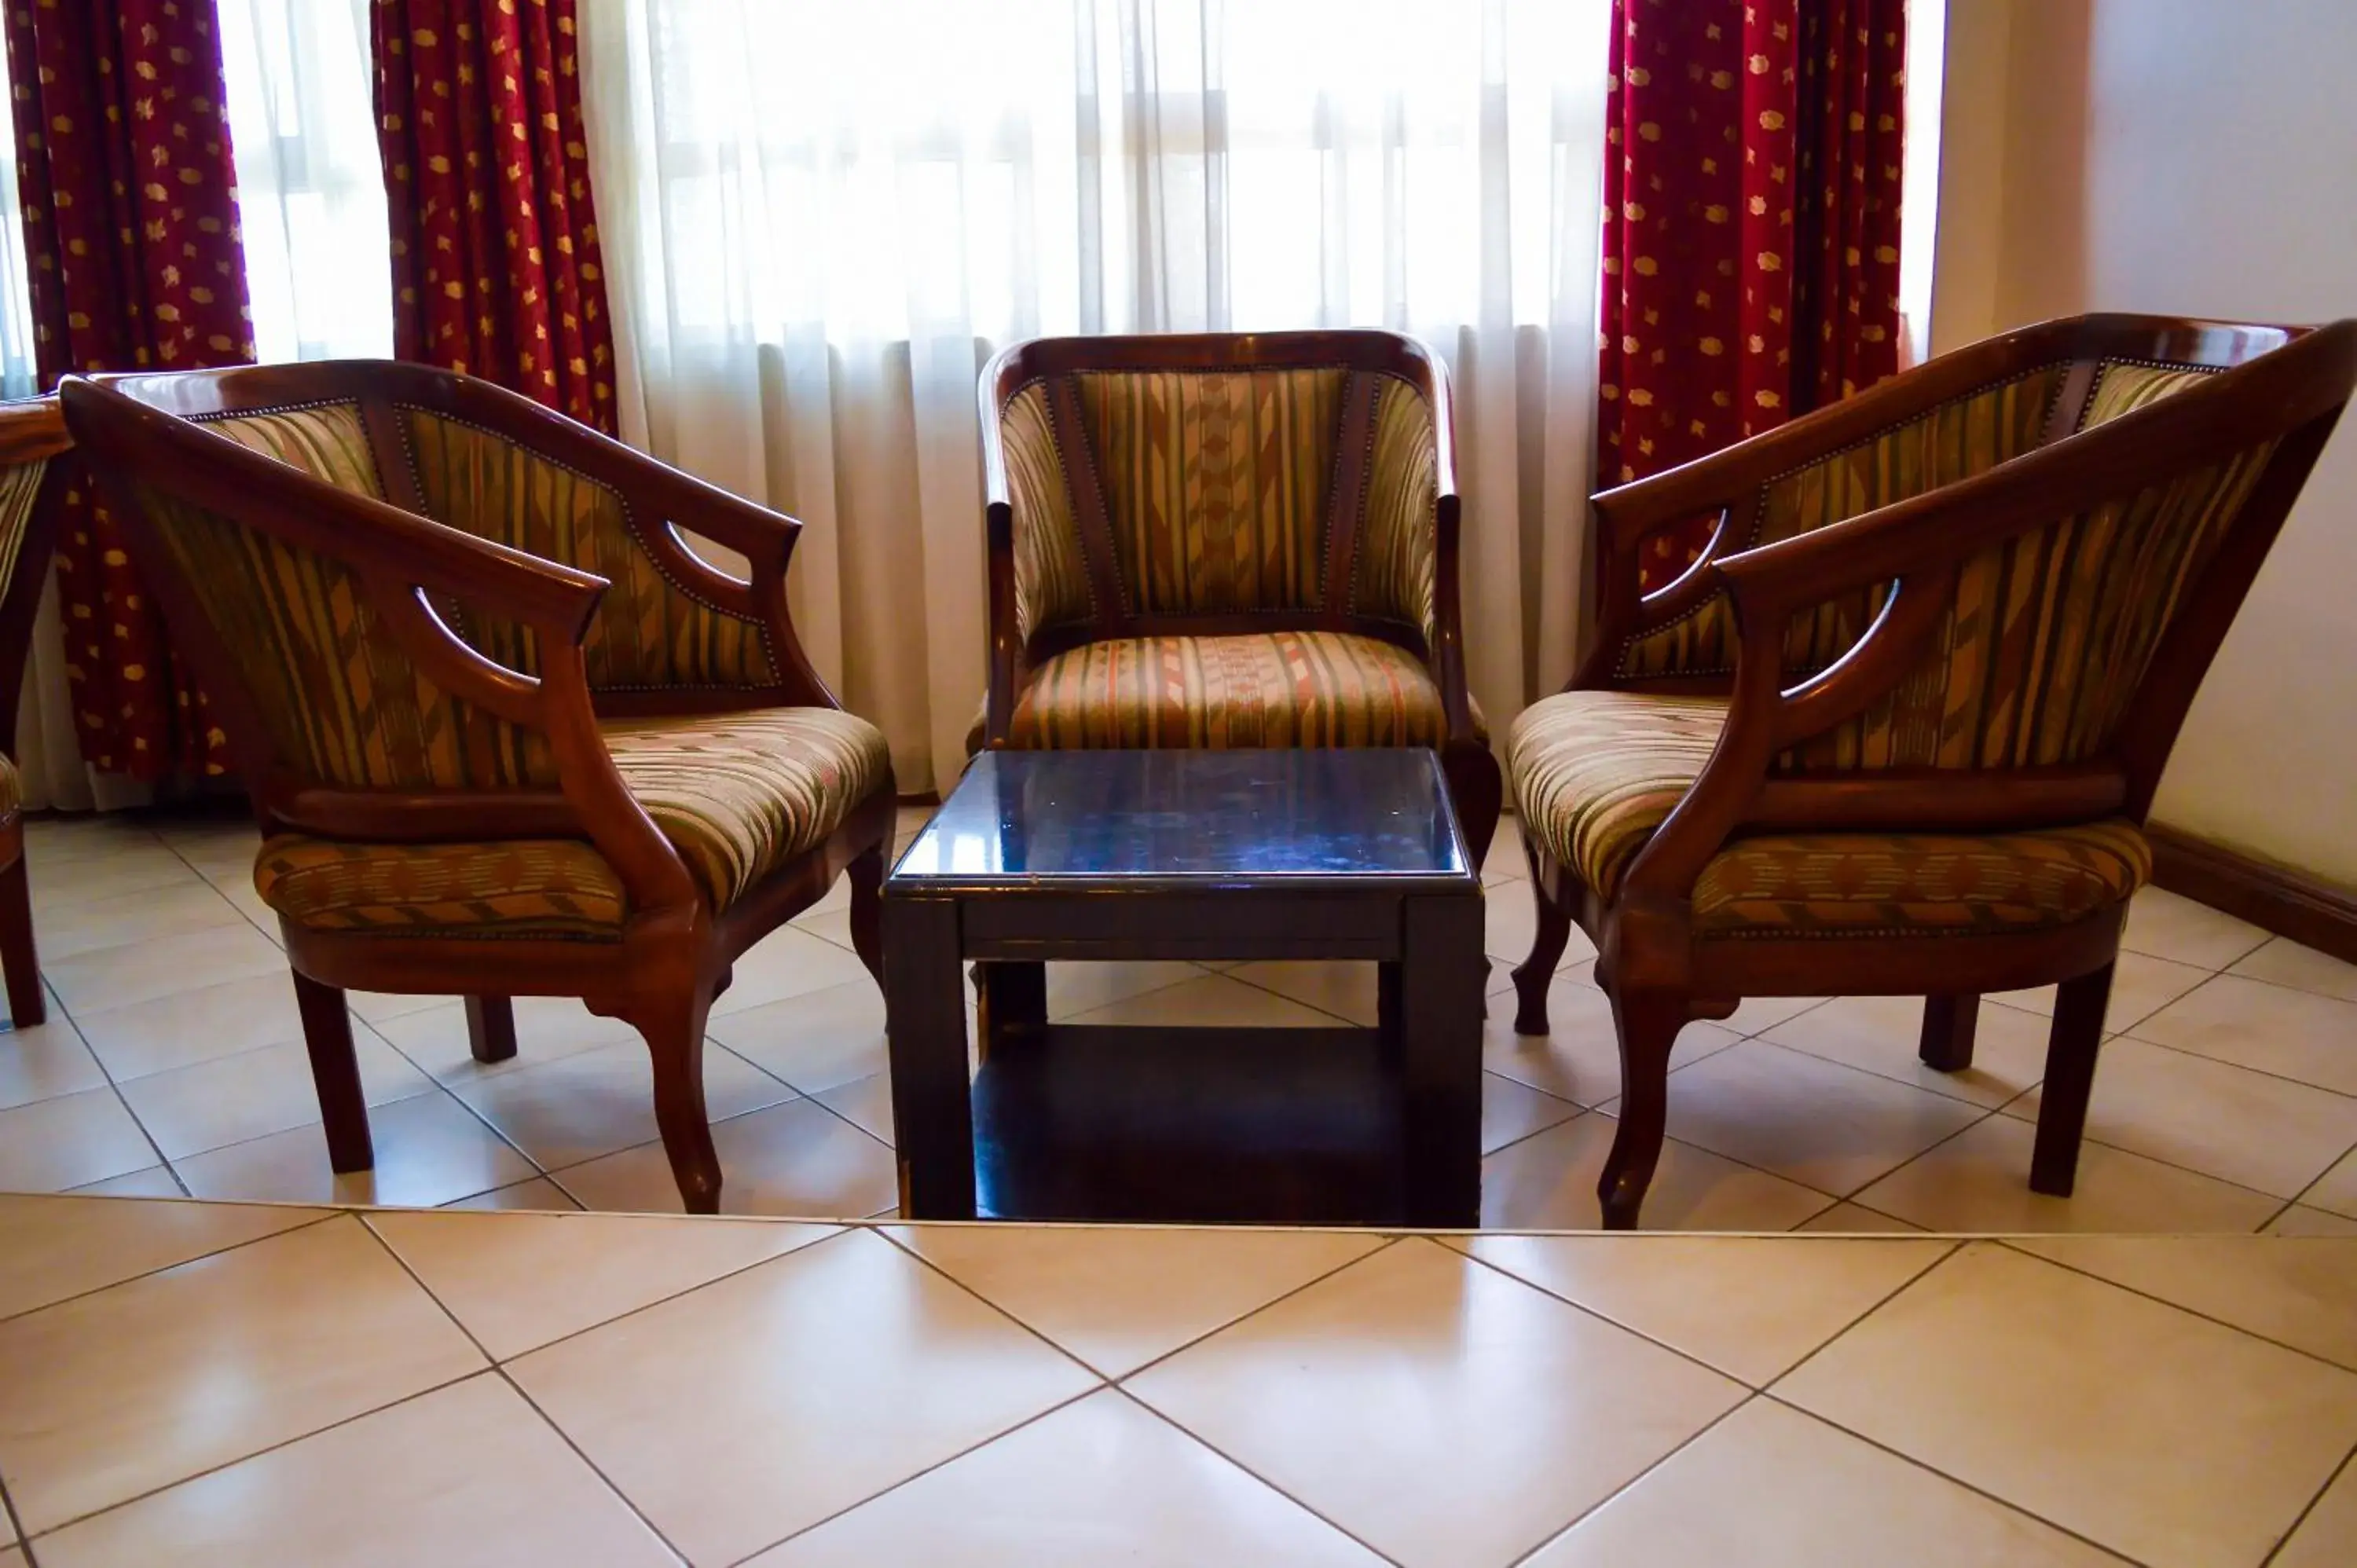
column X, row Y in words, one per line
column 311, row 209
column 822, row 216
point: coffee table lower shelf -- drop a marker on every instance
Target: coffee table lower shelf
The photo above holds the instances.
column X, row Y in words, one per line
column 1192, row 1125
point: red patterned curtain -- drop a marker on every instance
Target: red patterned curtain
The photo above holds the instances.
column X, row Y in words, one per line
column 496, row 269
column 130, row 207
column 1751, row 248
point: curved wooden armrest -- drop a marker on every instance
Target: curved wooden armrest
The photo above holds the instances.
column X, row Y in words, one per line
column 1447, row 650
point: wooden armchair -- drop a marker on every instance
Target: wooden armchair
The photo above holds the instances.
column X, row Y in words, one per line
column 1219, row 541
column 32, row 434
column 1895, row 732
column 505, row 733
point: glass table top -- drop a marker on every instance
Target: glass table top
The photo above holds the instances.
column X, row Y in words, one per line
column 1029, row 818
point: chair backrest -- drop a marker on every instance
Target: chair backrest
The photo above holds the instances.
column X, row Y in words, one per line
column 1193, row 483
column 407, row 434
column 34, row 488
column 254, row 561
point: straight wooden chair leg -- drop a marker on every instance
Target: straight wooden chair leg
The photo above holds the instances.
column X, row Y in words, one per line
column 335, row 1074
column 1648, row 1024
column 2070, row 1050
column 19, row 962
column 1537, row 972
column 491, row 1028
column 673, row 1030
column 1949, row 1023
column 866, row 874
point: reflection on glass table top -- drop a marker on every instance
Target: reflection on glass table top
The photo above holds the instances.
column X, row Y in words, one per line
column 1026, row 817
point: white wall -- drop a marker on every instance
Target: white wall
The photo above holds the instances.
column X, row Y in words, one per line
column 2194, row 158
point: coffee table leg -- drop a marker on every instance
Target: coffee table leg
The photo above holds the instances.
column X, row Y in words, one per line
column 1008, row 997
column 932, row 1099
column 1441, row 971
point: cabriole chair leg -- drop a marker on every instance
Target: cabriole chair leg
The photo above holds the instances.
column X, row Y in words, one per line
column 1549, row 937
column 673, row 1030
column 866, row 875
column 1648, row 1024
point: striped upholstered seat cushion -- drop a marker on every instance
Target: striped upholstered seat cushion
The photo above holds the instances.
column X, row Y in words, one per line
column 1264, row 690
column 1594, row 773
column 738, row 794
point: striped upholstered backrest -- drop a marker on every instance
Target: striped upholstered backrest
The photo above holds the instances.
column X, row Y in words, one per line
column 342, row 704
column 20, row 486
column 326, row 440
column 1965, row 436
column 1217, row 488
column 647, row 633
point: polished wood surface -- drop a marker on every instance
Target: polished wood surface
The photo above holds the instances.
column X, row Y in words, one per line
column 31, row 431
column 2281, row 384
column 675, row 950
column 1175, row 854
column 1472, row 771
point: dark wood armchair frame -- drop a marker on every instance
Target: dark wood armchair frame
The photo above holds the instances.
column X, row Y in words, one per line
column 30, row 431
column 2285, row 383
column 675, row 953
column 1475, row 784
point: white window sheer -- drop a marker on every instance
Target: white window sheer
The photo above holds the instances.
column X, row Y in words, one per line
column 820, row 217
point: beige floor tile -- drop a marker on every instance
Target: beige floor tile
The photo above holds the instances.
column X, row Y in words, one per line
column 1580, row 1057
column 833, row 926
column 1772, row 1487
column 136, row 1386
column 1854, row 1220
column 2327, row 1537
column 1212, row 1002
column 118, row 977
column 1074, row 989
column 2283, row 961
column 60, row 1247
column 1757, row 1015
column 430, row 1150
column 538, row 1195
column 519, row 1280
column 1750, row 1306
column 252, row 1095
column 548, row 1028
column 2301, row 1220
column 2037, row 1385
column 786, row 962
column 595, row 1103
column 1345, row 990
column 2336, row 1189
column 1505, row 858
column 2141, row 986
column 2213, row 1117
column 795, row 1159
column 865, row 1103
column 255, row 913
column 1807, row 1120
column 71, row 1141
column 2163, row 924
column 1437, row 1410
column 1547, row 1182
column 1511, row 1112
column 62, row 885
column 378, row 1006
column 1101, row 1480
column 194, row 1026
column 814, row 1041
column 1881, row 1034
column 2292, row 1034
column 1978, row 1183
column 61, row 841
column 1120, row 1298
column 154, row 1181
column 1510, row 922
column 466, row 1474
column 815, row 1381
column 44, row 1061
column 83, row 928
column 12, row 1557
column 2298, row 1292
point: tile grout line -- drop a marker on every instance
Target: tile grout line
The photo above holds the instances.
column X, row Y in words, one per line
column 168, row 1267
column 2013, row 1244
column 16, row 1526
column 116, row 1089
column 498, row 1368
column 2348, row 1466
column 1750, row 1395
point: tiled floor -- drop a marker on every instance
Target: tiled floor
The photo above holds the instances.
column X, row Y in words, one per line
column 200, row 1383
column 2227, row 1103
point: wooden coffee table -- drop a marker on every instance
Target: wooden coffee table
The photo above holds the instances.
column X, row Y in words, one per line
column 1203, row 855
